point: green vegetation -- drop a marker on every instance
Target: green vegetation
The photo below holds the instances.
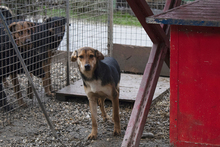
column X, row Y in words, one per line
column 52, row 12
column 118, row 17
column 125, row 19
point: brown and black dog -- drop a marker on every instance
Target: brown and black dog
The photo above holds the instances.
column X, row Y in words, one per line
column 46, row 39
column 101, row 77
column 21, row 32
column 9, row 62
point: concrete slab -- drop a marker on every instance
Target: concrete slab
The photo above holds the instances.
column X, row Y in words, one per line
column 129, row 86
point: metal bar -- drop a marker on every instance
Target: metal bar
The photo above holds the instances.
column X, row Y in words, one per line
column 146, row 91
column 27, row 73
column 67, row 46
column 142, row 10
column 110, row 28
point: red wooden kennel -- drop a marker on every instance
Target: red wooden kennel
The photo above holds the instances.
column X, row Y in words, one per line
column 194, row 73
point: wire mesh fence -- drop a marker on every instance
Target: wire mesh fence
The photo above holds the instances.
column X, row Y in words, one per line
column 38, row 29
column 46, row 32
column 127, row 29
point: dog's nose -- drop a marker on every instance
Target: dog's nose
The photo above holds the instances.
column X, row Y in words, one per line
column 87, row 67
column 27, row 40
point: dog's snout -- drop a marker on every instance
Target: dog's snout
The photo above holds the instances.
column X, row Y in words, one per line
column 87, row 67
column 27, row 40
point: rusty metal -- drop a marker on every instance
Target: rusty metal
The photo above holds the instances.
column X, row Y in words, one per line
column 146, row 91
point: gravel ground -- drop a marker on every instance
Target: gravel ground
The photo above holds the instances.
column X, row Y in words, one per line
column 72, row 122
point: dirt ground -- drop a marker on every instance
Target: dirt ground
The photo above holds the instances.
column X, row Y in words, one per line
column 72, row 122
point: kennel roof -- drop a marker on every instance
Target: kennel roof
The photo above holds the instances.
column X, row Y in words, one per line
column 197, row 13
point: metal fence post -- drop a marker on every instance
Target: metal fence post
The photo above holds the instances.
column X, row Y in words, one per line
column 67, row 41
column 110, row 28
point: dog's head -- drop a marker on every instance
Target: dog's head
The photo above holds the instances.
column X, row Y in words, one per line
column 56, row 27
column 7, row 13
column 21, row 32
column 87, row 59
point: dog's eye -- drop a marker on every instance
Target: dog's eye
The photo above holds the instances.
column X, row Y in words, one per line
column 80, row 57
column 91, row 56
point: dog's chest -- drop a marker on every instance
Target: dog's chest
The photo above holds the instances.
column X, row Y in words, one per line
column 96, row 87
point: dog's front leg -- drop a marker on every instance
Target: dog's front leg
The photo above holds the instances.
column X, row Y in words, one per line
column 29, row 89
column 93, row 109
column 101, row 103
column 116, row 118
column 17, row 90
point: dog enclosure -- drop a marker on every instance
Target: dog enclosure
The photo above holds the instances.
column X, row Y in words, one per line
column 97, row 23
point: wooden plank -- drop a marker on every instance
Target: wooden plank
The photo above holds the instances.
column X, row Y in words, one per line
column 129, row 86
column 144, row 98
column 133, row 59
column 194, row 90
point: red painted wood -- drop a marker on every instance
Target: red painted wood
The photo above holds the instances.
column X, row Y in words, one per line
column 189, row 144
column 195, row 95
column 144, row 97
column 148, row 84
column 169, row 5
column 173, row 83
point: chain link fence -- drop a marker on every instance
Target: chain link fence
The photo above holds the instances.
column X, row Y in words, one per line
column 54, row 29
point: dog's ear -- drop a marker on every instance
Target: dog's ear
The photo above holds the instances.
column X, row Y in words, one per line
column 31, row 24
column 48, row 19
column 12, row 26
column 99, row 55
column 74, row 56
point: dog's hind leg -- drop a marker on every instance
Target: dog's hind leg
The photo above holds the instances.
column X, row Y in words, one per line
column 3, row 100
column 17, row 90
column 93, row 109
column 29, row 89
column 6, row 84
column 49, row 62
column 46, row 79
column 101, row 103
column 116, row 117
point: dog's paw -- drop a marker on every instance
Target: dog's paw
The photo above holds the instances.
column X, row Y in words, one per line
column 106, row 118
column 24, row 105
column 31, row 96
column 117, row 132
column 8, row 108
column 49, row 94
column 92, row 136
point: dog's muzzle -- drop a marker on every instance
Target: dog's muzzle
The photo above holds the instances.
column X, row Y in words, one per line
column 87, row 67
